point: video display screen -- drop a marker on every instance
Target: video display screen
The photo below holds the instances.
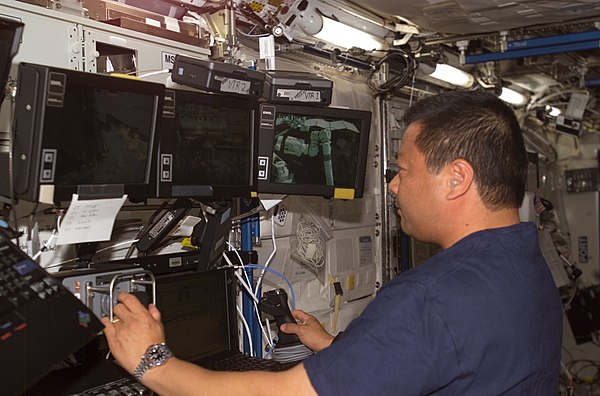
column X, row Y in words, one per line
column 315, row 150
column 103, row 136
column 194, row 313
column 214, row 144
column 10, row 40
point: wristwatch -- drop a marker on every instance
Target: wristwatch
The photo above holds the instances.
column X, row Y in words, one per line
column 156, row 355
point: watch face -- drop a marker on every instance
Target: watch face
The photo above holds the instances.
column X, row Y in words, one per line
column 158, row 354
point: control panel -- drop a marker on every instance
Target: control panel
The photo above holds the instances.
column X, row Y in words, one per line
column 99, row 290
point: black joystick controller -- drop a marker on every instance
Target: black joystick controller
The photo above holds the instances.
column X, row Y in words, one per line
column 274, row 303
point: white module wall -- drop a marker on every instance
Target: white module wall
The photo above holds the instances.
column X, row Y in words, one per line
column 47, row 40
column 151, row 53
column 353, row 255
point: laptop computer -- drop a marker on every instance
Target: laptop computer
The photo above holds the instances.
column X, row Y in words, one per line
column 41, row 322
column 200, row 319
column 199, row 315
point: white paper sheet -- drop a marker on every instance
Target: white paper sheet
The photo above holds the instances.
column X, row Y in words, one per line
column 89, row 220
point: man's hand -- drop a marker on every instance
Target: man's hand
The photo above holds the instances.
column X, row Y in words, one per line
column 132, row 331
column 309, row 331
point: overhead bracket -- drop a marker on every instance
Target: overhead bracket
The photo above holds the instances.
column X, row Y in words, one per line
column 406, row 32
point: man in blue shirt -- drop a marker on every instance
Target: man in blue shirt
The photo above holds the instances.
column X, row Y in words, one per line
column 483, row 317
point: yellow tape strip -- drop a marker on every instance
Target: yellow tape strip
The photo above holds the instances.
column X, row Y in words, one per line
column 343, row 193
column 129, row 76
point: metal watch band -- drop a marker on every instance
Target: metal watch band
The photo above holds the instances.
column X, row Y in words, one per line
column 141, row 368
column 150, row 360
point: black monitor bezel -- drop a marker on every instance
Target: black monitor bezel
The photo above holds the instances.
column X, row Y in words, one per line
column 16, row 28
column 30, row 112
column 266, row 133
column 205, row 192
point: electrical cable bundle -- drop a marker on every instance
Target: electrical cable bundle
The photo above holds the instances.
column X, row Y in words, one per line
column 291, row 353
column 402, row 66
column 311, row 244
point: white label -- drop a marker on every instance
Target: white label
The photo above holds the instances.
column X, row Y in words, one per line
column 172, row 24
column 365, row 250
column 168, row 60
column 152, row 22
column 299, row 95
column 235, row 86
column 266, row 47
column 304, row 96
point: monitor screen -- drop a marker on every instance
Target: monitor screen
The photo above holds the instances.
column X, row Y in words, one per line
column 84, row 133
column 207, row 146
column 307, row 150
column 197, row 313
column 113, row 140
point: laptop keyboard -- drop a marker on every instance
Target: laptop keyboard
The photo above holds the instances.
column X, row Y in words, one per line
column 20, row 281
column 128, row 386
column 121, row 387
column 247, row 363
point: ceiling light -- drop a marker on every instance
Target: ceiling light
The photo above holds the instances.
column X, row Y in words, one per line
column 452, row 75
column 346, row 36
column 513, row 97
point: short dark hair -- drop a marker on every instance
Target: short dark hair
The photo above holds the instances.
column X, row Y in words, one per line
column 480, row 128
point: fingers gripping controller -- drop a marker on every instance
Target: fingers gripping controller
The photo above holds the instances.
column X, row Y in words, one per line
column 274, row 303
column 289, row 348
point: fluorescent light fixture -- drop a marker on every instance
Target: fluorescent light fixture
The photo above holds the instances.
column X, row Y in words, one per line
column 513, row 97
column 346, row 36
column 553, row 111
column 452, row 75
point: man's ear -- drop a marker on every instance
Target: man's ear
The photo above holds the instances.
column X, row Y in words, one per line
column 459, row 174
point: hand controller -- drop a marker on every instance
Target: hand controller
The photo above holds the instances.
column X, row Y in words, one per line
column 274, row 303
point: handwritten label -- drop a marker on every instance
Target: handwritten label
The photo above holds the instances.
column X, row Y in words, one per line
column 235, row 86
column 299, row 95
column 89, row 220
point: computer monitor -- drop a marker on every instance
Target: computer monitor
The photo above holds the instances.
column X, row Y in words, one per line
column 207, row 147
column 310, row 150
column 198, row 313
column 11, row 32
column 85, row 133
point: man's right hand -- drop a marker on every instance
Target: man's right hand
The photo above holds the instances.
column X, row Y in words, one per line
column 309, row 331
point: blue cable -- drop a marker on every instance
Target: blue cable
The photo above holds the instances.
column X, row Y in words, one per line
column 292, row 294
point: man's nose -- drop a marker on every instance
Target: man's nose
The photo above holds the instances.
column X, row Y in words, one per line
column 393, row 185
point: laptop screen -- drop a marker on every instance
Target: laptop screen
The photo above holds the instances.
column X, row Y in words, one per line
column 198, row 313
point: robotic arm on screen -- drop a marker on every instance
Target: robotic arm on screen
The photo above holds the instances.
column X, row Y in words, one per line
column 320, row 133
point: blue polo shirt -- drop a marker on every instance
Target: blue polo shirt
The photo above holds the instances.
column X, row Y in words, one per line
column 482, row 317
